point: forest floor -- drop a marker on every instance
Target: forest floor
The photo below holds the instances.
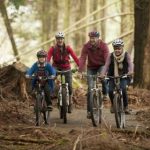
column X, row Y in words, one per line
column 18, row 132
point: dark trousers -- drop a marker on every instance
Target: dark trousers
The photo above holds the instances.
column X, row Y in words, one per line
column 47, row 94
column 123, row 84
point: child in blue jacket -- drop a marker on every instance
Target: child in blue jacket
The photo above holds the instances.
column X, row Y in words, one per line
column 43, row 69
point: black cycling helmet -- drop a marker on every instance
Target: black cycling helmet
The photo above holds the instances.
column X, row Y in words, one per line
column 117, row 43
column 94, row 34
column 41, row 53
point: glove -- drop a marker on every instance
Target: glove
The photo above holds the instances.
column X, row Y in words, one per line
column 27, row 76
column 102, row 76
column 130, row 74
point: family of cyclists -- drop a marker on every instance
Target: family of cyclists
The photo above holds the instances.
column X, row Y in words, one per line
column 99, row 61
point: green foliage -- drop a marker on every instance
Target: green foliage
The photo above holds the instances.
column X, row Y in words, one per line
column 17, row 3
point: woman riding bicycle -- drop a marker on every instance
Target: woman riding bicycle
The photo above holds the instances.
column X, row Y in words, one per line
column 43, row 69
column 118, row 63
column 60, row 53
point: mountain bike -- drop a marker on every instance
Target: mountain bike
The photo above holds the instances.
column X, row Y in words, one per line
column 118, row 101
column 40, row 107
column 63, row 94
column 96, row 100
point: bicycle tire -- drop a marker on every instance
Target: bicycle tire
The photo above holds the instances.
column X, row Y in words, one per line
column 119, row 113
column 60, row 107
column 64, row 105
column 47, row 116
column 94, row 109
column 100, row 106
column 38, row 110
column 61, row 112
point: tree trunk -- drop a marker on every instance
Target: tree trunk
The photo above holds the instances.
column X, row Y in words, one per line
column 60, row 19
column 142, row 43
column 46, row 20
column 67, row 17
column 8, row 27
column 87, row 14
column 127, row 22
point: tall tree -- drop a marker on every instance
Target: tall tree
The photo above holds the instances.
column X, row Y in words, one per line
column 102, row 15
column 127, row 22
column 87, row 14
column 8, row 27
column 142, row 43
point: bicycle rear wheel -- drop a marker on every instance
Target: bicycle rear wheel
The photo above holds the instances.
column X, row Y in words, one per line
column 95, row 109
column 64, row 104
column 119, row 111
column 38, row 115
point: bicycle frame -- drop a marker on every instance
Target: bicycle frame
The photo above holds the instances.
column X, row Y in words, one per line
column 63, row 84
column 63, row 96
column 40, row 91
column 40, row 105
column 118, row 101
column 95, row 101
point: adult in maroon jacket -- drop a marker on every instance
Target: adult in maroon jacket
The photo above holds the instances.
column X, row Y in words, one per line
column 60, row 54
column 95, row 51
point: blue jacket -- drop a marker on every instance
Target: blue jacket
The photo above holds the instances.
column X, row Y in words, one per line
column 48, row 69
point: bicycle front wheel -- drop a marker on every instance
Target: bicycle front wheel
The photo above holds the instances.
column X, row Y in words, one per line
column 100, row 106
column 38, row 115
column 119, row 111
column 95, row 109
column 64, row 104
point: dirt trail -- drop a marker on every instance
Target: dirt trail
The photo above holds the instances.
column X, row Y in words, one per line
column 78, row 121
column 18, row 132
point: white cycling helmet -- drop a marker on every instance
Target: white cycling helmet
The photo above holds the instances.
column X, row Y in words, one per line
column 117, row 42
column 59, row 35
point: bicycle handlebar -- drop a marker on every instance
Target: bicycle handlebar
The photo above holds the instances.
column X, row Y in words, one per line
column 117, row 77
column 64, row 71
column 52, row 77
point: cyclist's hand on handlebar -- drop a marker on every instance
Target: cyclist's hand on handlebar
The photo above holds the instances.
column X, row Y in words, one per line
column 102, row 76
column 74, row 70
column 27, row 76
column 53, row 77
column 130, row 74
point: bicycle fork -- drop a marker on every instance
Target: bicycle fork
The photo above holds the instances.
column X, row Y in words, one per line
column 60, row 94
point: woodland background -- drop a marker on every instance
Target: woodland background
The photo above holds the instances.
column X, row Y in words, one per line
column 29, row 25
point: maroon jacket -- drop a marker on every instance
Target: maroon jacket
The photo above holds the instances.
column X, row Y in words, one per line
column 61, row 59
column 96, row 55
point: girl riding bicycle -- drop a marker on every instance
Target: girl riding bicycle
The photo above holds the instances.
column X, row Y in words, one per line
column 118, row 63
column 60, row 54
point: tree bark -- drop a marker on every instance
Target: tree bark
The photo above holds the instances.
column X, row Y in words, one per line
column 8, row 27
column 142, row 43
column 103, row 23
column 88, row 20
column 127, row 22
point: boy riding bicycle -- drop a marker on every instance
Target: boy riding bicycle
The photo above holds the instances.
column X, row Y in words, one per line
column 118, row 63
column 42, row 69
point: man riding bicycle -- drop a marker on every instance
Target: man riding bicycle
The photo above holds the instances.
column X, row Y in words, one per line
column 96, row 51
column 118, row 63
column 60, row 53
column 42, row 69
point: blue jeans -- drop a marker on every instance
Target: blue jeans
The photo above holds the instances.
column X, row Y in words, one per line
column 91, row 84
column 123, row 84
